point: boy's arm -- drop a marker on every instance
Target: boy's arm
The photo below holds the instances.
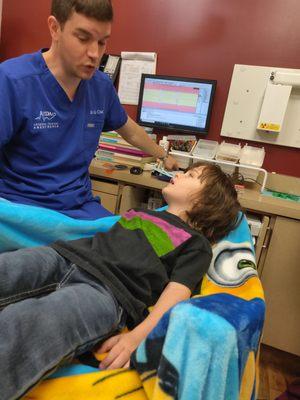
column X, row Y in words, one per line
column 121, row 346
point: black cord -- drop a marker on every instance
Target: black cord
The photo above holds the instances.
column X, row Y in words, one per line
column 254, row 180
column 238, row 178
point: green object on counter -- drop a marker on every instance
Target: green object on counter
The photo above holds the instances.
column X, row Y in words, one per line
column 280, row 195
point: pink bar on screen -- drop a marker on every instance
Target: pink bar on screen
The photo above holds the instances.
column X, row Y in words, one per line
column 165, row 106
column 183, row 89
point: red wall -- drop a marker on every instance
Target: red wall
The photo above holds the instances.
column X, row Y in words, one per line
column 197, row 38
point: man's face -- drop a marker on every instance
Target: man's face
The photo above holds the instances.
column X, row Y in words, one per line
column 183, row 187
column 81, row 43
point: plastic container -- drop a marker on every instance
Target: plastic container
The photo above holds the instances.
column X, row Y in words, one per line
column 205, row 149
column 164, row 143
column 183, row 162
column 253, row 156
column 228, row 152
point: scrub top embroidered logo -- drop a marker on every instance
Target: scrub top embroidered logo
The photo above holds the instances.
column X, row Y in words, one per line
column 45, row 120
column 96, row 112
column 46, row 116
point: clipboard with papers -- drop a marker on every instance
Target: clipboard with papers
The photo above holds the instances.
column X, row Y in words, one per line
column 133, row 65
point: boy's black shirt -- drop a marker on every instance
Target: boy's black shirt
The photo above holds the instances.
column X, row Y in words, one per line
column 139, row 256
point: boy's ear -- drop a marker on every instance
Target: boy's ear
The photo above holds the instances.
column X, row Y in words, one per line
column 54, row 28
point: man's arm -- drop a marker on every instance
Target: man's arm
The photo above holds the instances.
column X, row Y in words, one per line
column 9, row 104
column 120, row 347
column 136, row 135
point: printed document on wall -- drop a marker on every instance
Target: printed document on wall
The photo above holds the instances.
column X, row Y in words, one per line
column 133, row 65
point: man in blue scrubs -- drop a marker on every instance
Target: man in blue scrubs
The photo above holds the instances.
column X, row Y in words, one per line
column 53, row 106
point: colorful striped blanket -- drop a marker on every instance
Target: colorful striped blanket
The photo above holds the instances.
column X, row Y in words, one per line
column 205, row 348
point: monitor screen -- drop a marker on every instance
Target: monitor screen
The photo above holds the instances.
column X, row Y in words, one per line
column 170, row 102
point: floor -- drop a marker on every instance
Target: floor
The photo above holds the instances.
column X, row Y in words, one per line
column 277, row 370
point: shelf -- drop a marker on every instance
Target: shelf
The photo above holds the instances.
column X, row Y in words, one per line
column 265, row 173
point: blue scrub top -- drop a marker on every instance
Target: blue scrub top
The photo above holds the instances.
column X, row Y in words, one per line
column 48, row 141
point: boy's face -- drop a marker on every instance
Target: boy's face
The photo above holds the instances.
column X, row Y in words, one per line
column 183, row 187
column 81, row 43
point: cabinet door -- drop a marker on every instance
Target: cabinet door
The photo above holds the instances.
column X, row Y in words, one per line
column 108, row 193
column 108, row 201
column 281, row 281
column 261, row 239
column 130, row 197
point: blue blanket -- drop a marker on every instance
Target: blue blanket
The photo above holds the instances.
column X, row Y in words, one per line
column 29, row 226
column 204, row 348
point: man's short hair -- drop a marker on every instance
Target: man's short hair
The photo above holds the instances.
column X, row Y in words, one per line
column 101, row 10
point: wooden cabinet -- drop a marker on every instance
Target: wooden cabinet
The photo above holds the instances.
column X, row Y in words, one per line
column 130, row 197
column 280, row 276
column 117, row 198
column 108, row 193
column 262, row 240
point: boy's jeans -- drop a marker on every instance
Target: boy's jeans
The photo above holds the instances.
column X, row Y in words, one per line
column 50, row 311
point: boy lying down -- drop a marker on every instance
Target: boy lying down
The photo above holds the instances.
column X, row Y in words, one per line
column 62, row 300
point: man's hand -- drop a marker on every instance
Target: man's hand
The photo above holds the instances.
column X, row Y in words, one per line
column 119, row 350
column 170, row 163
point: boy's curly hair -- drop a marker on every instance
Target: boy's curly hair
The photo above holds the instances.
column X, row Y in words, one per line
column 216, row 209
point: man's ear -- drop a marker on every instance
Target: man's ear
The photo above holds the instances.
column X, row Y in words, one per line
column 54, row 28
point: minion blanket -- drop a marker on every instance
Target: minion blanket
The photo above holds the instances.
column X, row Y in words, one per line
column 205, row 348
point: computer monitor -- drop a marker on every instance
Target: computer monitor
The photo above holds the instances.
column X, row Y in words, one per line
column 175, row 103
